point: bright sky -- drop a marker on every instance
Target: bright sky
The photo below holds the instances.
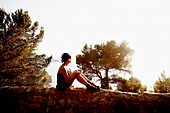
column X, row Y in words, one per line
column 69, row 24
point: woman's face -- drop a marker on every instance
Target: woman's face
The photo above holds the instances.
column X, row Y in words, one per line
column 69, row 60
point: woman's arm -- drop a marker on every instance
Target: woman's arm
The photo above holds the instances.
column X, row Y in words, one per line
column 64, row 72
column 78, row 71
column 70, row 71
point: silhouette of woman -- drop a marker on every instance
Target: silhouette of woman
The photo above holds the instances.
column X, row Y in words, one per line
column 65, row 77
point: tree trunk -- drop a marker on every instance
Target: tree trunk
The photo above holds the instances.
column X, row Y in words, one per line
column 107, row 83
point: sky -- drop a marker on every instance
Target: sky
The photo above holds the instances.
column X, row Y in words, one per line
column 70, row 24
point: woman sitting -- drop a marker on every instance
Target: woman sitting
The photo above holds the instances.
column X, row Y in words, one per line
column 65, row 77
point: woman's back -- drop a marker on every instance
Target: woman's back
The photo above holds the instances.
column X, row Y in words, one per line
column 60, row 77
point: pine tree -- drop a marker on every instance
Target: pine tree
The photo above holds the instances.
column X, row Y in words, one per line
column 131, row 85
column 162, row 85
column 19, row 64
column 105, row 57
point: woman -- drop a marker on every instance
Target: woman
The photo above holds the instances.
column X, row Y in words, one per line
column 65, row 77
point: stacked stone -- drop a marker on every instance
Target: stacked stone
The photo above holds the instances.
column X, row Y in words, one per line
column 49, row 100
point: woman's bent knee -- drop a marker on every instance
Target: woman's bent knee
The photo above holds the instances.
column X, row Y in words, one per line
column 74, row 74
column 77, row 72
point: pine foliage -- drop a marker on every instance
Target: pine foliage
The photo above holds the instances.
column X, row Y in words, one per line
column 19, row 64
column 105, row 57
column 162, row 85
column 131, row 85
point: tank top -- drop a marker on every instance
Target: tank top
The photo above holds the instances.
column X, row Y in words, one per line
column 60, row 77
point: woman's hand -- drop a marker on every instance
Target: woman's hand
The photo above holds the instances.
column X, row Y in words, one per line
column 79, row 71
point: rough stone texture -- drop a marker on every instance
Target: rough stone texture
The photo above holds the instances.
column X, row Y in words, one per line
column 50, row 100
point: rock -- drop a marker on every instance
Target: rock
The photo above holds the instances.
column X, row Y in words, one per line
column 38, row 99
column 35, row 107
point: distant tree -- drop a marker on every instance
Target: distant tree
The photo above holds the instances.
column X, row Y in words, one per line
column 105, row 57
column 162, row 85
column 131, row 85
column 19, row 64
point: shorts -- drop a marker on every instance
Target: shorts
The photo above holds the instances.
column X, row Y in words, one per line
column 63, row 85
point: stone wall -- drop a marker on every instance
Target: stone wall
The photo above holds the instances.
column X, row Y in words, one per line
column 49, row 100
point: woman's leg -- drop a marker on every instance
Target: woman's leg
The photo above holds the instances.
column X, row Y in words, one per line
column 81, row 79
column 88, row 80
column 84, row 77
column 76, row 74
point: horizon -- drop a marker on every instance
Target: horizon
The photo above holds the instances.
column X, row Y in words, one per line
column 143, row 24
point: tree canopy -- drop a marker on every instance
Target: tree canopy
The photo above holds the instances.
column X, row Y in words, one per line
column 19, row 64
column 162, row 85
column 131, row 85
column 105, row 57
